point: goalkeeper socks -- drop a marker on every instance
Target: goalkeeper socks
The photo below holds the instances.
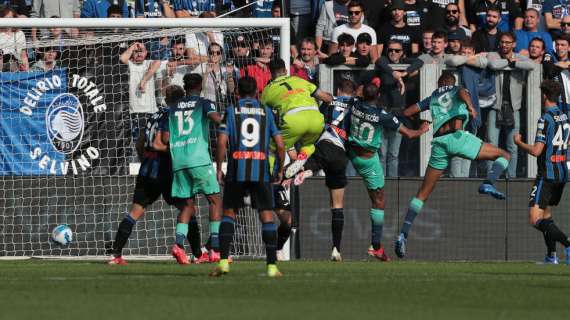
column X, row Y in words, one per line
column 337, row 226
column 283, row 233
column 215, row 235
column 181, row 233
column 415, row 208
column 123, row 234
column 377, row 220
column 227, row 230
column 269, row 237
column 497, row 170
column 194, row 237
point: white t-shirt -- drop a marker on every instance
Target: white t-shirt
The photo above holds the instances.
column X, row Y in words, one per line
column 200, row 41
column 141, row 102
column 13, row 43
column 337, row 31
column 177, row 77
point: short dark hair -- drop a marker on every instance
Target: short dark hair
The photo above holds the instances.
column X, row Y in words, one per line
column 495, row 9
column 347, row 86
column 114, row 9
column 173, row 93
column 370, row 92
column 310, row 40
column 192, row 82
column 355, row 3
column 551, row 89
column 394, row 41
column 276, row 65
column 563, row 37
column 539, row 40
column 247, row 86
column 447, row 78
column 468, row 43
column 346, row 38
column 439, row 35
column 509, row 34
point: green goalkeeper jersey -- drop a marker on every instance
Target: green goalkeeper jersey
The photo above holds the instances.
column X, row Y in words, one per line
column 286, row 93
column 188, row 124
column 366, row 123
column 445, row 104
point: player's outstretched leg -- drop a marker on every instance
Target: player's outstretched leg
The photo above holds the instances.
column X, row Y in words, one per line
column 430, row 179
column 227, row 230
column 500, row 164
column 542, row 221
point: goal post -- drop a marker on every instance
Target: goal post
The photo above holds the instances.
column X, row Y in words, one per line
column 68, row 133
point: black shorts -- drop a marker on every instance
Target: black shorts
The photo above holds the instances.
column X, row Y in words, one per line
column 546, row 193
column 148, row 190
column 260, row 192
column 333, row 160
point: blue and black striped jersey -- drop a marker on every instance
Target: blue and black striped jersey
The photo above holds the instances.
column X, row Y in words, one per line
column 553, row 130
column 337, row 120
column 155, row 164
column 249, row 128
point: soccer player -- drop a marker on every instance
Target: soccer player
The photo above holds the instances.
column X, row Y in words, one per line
column 550, row 146
column 187, row 136
column 248, row 127
column 301, row 122
column 154, row 178
column 367, row 121
column 450, row 108
column 330, row 156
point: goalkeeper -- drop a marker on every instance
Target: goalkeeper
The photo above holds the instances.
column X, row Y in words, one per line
column 294, row 100
column 154, row 179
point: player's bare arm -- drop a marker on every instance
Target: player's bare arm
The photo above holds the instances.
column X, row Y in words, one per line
column 411, row 110
column 221, row 156
column 533, row 149
column 323, row 96
column 158, row 143
column 411, row 133
column 215, row 117
column 466, row 97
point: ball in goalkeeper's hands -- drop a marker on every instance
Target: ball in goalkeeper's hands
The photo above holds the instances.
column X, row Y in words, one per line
column 62, row 235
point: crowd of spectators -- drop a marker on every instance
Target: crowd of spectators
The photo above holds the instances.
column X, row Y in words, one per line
column 492, row 44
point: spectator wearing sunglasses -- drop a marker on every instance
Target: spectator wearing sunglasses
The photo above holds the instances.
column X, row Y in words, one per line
column 452, row 25
column 354, row 27
column 565, row 25
column 217, row 76
column 394, row 98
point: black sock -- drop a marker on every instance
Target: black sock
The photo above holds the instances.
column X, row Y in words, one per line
column 227, row 230
column 194, row 237
column 269, row 237
column 123, row 234
column 283, row 233
column 557, row 234
column 337, row 226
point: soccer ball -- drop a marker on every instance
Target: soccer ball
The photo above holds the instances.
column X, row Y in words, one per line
column 62, row 235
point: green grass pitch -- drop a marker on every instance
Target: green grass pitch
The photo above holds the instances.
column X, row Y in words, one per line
column 36, row 289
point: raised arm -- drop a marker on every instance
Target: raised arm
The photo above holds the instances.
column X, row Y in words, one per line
column 323, row 96
column 411, row 133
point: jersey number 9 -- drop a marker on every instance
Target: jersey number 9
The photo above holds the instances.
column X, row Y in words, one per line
column 250, row 132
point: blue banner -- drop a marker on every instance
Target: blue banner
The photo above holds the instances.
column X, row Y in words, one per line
column 40, row 122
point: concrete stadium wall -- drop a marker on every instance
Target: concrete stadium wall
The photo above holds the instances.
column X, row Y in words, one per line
column 456, row 223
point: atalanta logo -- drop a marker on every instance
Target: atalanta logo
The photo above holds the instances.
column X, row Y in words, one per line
column 64, row 122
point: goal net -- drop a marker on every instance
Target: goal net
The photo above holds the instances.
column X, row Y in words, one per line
column 71, row 115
